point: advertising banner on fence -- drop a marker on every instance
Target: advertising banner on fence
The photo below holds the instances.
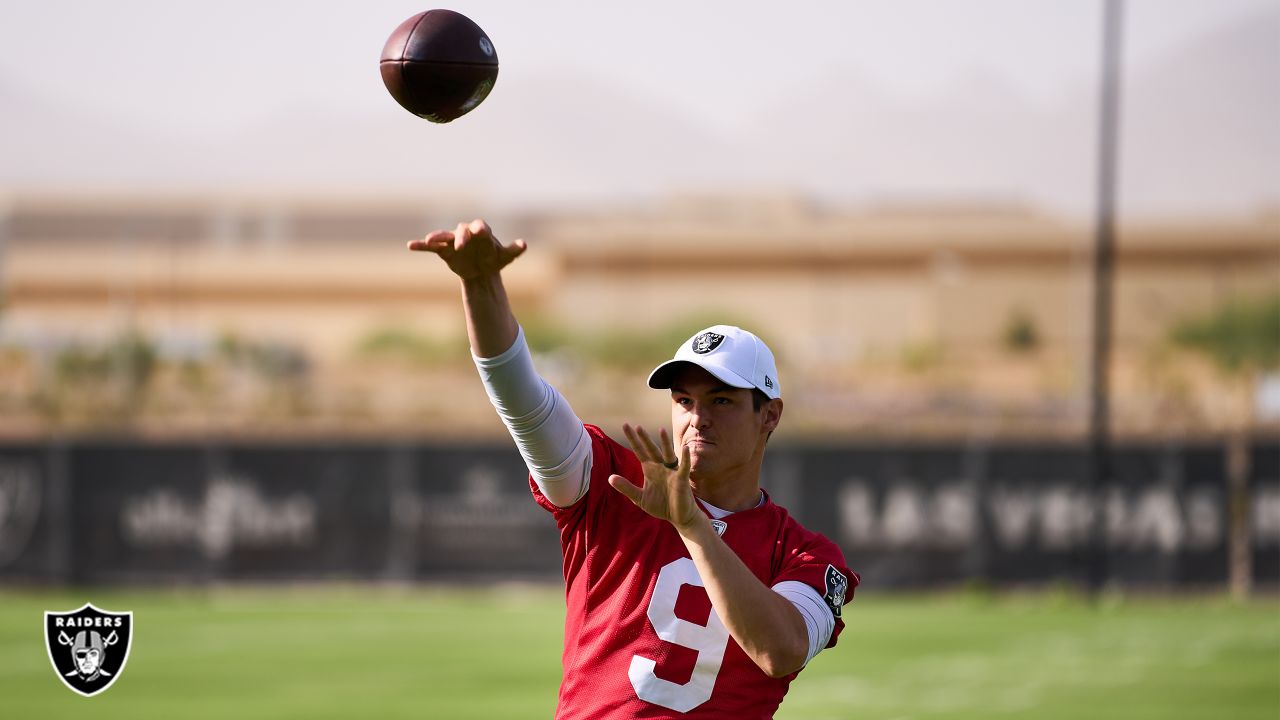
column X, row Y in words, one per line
column 906, row 516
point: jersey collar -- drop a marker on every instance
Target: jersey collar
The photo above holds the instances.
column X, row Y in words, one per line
column 720, row 513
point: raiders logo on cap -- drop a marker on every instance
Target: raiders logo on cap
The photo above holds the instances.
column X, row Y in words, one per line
column 706, row 342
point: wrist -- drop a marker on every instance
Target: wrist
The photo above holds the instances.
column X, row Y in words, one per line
column 481, row 282
column 696, row 529
column 491, row 327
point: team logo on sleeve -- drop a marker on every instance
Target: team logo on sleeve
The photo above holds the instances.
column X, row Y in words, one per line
column 88, row 647
column 837, row 586
column 706, row 342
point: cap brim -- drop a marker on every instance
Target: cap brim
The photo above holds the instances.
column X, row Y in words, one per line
column 660, row 378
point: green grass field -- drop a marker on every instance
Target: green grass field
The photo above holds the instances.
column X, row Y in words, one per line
column 363, row 652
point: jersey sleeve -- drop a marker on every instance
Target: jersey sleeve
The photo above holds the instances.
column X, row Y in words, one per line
column 819, row 563
column 599, row 506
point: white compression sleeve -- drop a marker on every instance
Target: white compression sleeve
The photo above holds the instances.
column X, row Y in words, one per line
column 551, row 439
column 817, row 616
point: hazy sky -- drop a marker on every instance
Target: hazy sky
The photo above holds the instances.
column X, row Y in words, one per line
column 154, row 64
column 200, row 72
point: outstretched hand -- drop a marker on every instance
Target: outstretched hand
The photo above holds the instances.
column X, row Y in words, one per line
column 470, row 250
column 666, row 493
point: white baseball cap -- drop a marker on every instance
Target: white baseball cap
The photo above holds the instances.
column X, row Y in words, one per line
column 733, row 355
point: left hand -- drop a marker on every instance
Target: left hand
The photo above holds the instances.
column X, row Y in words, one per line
column 666, row 494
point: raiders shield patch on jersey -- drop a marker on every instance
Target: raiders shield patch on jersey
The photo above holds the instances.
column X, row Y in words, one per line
column 837, row 586
column 706, row 342
column 88, row 647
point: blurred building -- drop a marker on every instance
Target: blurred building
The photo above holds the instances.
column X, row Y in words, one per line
column 864, row 306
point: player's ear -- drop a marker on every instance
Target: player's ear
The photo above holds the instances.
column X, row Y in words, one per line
column 771, row 414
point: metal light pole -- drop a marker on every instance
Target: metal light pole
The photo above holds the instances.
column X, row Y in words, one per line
column 1098, row 464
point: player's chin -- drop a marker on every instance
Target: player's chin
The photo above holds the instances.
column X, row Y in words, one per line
column 701, row 461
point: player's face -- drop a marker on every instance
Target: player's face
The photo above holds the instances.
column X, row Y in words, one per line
column 717, row 422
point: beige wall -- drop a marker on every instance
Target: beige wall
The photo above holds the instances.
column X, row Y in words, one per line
column 839, row 294
column 841, row 284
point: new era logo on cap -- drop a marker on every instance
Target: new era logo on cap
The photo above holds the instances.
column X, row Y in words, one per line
column 735, row 356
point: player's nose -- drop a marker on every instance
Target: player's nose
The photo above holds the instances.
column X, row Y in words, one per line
column 700, row 416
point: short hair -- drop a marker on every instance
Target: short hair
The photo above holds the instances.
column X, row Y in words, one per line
column 758, row 399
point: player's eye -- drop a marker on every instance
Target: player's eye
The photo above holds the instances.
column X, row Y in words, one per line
column 722, row 400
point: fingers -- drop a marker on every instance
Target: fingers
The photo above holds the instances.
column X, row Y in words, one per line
column 664, row 441
column 655, row 454
column 477, row 229
column 433, row 242
column 514, row 250
column 626, row 487
column 633, row 441
column 641, row 444
column 454, row 240
column 461, row 236
column 480, row 229
column 648, row 451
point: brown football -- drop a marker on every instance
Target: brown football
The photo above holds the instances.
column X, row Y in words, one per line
column 439, row 65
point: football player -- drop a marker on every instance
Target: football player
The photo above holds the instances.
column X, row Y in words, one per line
column 689, row 592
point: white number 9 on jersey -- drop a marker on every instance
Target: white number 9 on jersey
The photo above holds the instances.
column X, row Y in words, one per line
column 710, row 641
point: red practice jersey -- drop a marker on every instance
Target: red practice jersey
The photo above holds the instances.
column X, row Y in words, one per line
column 641, row 639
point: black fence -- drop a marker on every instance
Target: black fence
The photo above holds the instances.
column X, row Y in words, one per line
column 906, row 516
